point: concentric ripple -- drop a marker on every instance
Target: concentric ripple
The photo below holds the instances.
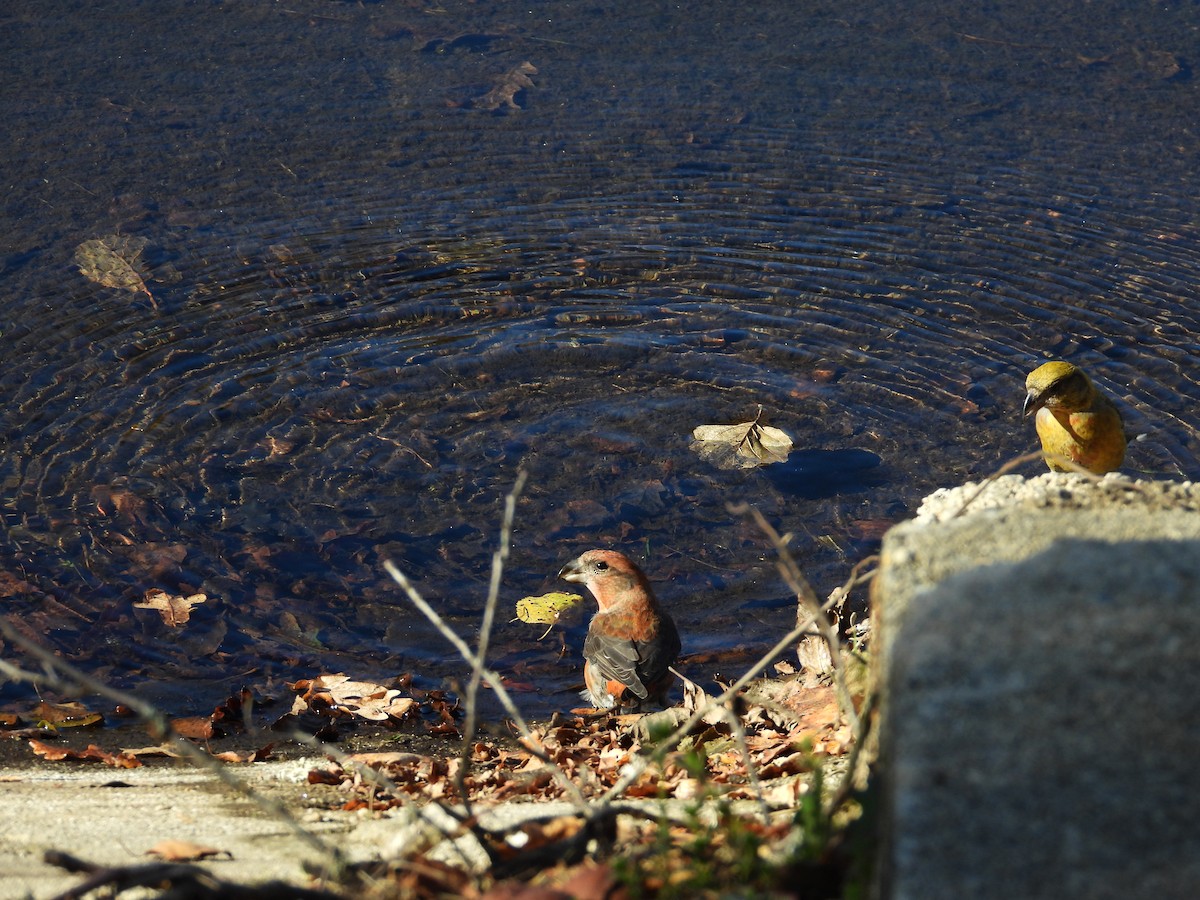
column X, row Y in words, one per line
column 376, row 302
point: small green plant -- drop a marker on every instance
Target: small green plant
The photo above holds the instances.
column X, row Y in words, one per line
column 712, row 846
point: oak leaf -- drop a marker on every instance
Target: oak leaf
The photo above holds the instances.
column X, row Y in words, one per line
column 175, row 610
column 506, row 88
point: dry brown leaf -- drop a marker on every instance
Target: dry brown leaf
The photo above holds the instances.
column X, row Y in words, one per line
column 380, row 758
column 196, row 728
column 594, row 881
column 115, row 261
column 794, row 705
column 741, row 446
column 358, row 698
column 157, row 750
column 248, row 756
column 184, row 851
column 175, row 610
column 91, row 753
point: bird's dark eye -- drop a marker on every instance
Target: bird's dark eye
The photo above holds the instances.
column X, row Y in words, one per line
column 601, row 566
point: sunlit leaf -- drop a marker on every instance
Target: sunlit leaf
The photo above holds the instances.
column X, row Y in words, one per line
column 741, row 446
column 115, row 261
column 546, row 609
column 196, row 728
column 339, row 694
column 91, row 753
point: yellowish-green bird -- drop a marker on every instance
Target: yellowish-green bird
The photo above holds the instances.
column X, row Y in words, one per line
column 1074, row 420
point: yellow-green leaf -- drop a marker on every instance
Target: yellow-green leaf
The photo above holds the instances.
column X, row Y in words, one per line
column 546, row 609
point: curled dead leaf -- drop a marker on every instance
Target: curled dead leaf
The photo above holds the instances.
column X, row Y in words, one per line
column 195, row 728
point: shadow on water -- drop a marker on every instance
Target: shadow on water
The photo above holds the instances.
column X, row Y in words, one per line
column 392, row 255
column 814, row 474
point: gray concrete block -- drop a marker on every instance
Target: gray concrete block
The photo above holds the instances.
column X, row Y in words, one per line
column 1042, row 702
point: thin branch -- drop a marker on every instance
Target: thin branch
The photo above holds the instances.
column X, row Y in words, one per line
column 739, row 736
column 499, row 558
column 807, row 598
column 638, row 765
column 497, row 683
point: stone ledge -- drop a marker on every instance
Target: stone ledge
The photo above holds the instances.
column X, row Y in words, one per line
column 1041, row 676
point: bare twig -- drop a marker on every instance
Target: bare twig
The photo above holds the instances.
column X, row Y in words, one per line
column 530, row 743
column 499, row 558
column 181, row 879
column 739, row 736
column 807, row 598
column 634, row 769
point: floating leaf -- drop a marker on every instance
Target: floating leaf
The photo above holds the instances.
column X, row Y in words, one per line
column 175, row 610
column 741, row 446
column 115, row 261
column 195, row 728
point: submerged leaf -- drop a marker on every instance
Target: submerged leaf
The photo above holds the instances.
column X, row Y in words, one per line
column 115, row 261
column 741, row 446
column 507, row 87
column 175, row 610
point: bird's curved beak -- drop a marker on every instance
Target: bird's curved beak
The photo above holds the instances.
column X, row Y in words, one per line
column 572, row 571
column 1033, row 402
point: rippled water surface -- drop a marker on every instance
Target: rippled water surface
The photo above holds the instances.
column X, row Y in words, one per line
column 373, row 299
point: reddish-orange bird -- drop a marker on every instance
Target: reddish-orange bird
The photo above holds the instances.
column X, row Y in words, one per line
column 632, row 641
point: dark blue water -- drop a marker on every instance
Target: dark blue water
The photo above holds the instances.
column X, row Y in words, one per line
column 373, row 299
